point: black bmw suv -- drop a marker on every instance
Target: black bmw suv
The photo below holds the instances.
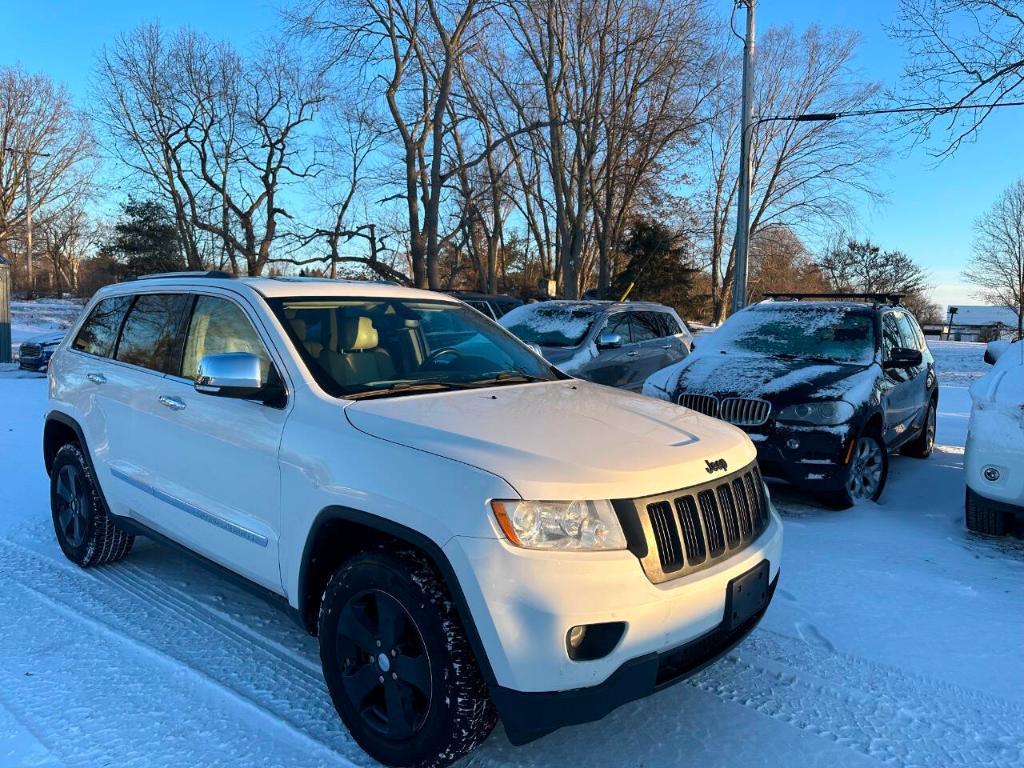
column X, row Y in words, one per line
column 827, row 386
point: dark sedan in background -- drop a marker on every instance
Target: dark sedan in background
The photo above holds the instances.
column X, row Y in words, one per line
column 827, row 390
column 614, row 343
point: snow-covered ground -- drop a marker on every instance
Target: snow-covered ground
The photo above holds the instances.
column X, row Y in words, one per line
column 896, row 638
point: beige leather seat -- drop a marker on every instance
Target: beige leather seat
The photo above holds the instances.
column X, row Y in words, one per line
column 314, row 347
column 359, row 359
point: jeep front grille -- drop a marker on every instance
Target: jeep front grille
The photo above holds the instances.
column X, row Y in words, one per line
column 694, row 528
column 741, row 411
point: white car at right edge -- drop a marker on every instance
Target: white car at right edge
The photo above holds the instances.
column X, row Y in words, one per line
column 994, row 457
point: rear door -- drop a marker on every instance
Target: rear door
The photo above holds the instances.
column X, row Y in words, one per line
column 650, row 345
column 218, row 473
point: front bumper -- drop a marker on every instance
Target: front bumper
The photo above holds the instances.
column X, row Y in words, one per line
column 523, row 602
column 816, row 464
column 529, row 716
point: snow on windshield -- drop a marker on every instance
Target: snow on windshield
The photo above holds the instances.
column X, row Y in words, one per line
column 836, row 334
column 551, row 324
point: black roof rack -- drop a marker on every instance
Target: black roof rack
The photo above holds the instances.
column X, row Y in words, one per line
column 895, row 299
column 216, row 274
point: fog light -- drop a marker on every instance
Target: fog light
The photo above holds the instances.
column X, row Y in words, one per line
column 793, row 444
column 575, row 637
column 991, row 474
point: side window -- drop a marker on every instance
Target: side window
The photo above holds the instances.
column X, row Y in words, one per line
column 618, row 323
column 646, row 326
column 908, row 331
column 151, row 336
column 671, row 324
column 890, row 335
column 99, row 332
column 218, row 326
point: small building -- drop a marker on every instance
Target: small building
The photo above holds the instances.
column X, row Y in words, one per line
column 978, row 323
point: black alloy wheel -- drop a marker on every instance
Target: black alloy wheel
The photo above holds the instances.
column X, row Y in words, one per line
column 385, row 670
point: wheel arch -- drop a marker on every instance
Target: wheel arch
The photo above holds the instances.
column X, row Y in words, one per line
column 339, row 532
column 59, row 430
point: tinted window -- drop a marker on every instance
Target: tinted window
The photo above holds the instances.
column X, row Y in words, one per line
column 619, row 324
column 670, row 323
column 908, row 331
column 890, row 336
column 152, row 332
column 647, row 326
column 99, row 332
column 219, row 326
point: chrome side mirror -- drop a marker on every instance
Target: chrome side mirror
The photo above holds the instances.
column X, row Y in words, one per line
column 230, row 374
column 609, row 341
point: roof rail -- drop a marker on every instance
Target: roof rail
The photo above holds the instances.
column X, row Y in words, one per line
column 213, row 273
column 895, row 299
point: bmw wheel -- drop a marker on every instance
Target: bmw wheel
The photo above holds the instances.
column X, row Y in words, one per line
column 866, row 472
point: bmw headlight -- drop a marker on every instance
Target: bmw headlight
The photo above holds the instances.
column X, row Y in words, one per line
column 823, row 414
column 565, row 525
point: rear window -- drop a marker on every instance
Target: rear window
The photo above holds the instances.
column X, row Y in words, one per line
column 152, row 335
column 99, row 332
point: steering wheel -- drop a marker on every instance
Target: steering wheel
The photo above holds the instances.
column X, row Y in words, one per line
column 437, row 353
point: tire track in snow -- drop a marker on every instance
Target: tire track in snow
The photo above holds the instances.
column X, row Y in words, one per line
column 260, row 673
column 898, row 718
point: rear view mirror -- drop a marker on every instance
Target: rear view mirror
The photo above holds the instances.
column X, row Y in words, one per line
column 904, row 357
column 231, row 374
column 609, row 341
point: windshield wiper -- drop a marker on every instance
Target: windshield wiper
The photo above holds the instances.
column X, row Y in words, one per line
column 409, row 388
column 809, row 358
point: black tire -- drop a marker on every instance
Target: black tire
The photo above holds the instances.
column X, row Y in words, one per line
column 421, row 702
column 85, row 532
column 851, row 491
column 921, row 446
column 982, row 516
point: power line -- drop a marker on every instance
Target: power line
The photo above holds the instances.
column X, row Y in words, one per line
column 943, row 109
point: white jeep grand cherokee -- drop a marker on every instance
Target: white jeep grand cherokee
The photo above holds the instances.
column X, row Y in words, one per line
column 471, row 533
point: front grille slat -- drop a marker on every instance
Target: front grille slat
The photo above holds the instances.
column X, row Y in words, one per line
column 706, row 404
column 744, row 411
column 667, row 536
column 693, row 533
column 697, row 527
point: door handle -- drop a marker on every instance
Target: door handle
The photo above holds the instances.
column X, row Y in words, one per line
column 666, row 346
column 96, row 378
column 174, row 403
column 632, row 354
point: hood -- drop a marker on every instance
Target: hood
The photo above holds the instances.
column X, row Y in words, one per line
column 561, row 440
column 53, row 337
column 742, row 375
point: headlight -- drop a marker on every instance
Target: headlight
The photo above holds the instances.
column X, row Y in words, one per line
column 828, row 413
column 570, row 525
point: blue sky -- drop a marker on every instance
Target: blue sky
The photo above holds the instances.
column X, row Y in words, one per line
column 929, row 210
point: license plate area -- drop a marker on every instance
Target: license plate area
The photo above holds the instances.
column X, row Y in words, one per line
column 746, row 595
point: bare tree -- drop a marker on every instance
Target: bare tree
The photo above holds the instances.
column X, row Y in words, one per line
column 63, row 241
column 802, row 172
column 997, row 265
column 960, row 52
column 40, row 127
column 221, row 136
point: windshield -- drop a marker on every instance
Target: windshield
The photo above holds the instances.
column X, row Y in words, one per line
column 382, row 347
column 551, row 324
column 833, row 334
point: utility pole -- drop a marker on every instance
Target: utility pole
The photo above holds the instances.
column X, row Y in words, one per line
column 739, row 284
